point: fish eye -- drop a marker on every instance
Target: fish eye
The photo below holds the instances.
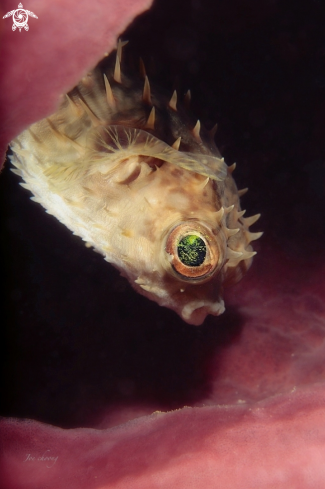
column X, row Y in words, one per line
column 193, row 250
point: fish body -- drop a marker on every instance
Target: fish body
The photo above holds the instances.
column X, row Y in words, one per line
column 128, row 170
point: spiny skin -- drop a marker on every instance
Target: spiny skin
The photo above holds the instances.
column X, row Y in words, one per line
column 128, row 171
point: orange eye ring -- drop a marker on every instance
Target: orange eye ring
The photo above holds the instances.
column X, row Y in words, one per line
column 194, row 252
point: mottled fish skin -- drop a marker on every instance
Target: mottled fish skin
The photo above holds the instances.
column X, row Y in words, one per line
column 127, row 170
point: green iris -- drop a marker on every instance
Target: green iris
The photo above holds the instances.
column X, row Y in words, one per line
column 191, row 250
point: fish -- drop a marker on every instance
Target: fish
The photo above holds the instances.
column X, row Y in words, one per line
column 126, row 168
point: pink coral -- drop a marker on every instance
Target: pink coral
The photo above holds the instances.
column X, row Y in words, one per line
column 40, row 65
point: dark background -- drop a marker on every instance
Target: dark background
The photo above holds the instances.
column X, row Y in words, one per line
column 76, row 339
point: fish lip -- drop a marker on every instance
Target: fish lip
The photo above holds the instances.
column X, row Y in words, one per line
column 195, row 312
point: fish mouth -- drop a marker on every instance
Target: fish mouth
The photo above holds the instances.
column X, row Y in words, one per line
column 195, row 312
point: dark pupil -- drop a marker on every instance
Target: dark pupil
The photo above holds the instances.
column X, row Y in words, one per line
column 191, row 250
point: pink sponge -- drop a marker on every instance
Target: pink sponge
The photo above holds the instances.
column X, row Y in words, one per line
column 40, row 65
